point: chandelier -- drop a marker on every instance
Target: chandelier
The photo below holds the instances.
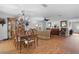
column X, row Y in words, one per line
column 25, row 19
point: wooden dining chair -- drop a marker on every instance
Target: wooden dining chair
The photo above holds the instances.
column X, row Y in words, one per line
column 18, row 40
column 29, row 41
column 35, row 36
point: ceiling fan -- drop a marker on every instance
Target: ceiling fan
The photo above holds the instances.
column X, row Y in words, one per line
column 46, row 19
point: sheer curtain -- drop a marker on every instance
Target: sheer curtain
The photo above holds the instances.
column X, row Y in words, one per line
column 3, row 32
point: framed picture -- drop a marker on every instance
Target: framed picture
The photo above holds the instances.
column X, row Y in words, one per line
column 63, row 24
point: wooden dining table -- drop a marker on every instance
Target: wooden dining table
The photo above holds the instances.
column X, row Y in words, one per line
column 24, row 37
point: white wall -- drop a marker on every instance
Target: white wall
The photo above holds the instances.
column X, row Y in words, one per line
column 34, row 21
column 74, row 24
column 40, row 20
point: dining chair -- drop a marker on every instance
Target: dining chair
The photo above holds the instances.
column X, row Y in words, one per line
column 29, row 40
column 35, row 36
column 18, row 40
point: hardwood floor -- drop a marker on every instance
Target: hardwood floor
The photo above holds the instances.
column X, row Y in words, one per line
column 55, row 45
column 72, row 44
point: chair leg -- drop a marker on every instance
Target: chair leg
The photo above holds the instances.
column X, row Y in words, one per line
column 17, row 45
column 34, row 44
column 37, row 41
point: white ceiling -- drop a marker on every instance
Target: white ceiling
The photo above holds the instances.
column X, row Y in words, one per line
column 37, row 10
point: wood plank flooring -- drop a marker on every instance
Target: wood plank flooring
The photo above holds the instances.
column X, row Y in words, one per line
column 55, row 45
